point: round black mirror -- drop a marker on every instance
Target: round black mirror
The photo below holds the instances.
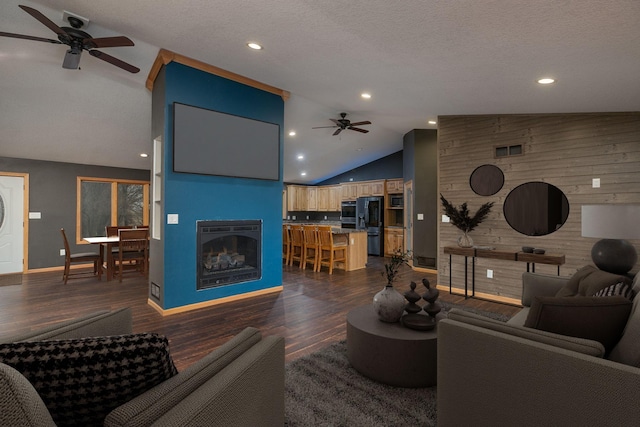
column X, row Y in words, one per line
column 536, row 208
column 486, row 180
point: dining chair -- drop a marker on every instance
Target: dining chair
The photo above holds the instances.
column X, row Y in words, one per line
column 311, row 247
column 297, row 244
column 80, row 257
column 112, row 231
column 330, row 250
column 133, row 251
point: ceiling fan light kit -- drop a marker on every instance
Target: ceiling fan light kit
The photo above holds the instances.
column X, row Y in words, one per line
column 77, row 40
column 345, row 124
column 72, row 59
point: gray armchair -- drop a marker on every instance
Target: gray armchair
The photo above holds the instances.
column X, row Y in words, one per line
column 241, row 383
column 496, row 374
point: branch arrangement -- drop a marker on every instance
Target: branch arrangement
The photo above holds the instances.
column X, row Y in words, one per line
column 397, row 260
column 461, row 218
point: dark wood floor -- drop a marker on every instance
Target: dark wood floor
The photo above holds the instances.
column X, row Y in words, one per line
column 310, row 312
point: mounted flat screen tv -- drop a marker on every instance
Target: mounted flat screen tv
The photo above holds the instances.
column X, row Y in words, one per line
column 210, row 142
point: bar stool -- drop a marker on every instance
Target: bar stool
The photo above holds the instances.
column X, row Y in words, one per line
column 330, row 251
column 286, row 243
column 297, row 244
column 311, row 247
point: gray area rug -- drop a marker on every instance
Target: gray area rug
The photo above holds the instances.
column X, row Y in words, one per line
column 322, row 389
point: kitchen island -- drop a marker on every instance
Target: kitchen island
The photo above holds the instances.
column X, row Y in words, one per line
column 356, row 243
column 357, row 247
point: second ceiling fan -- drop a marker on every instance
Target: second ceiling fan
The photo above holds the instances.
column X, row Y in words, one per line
column 344, row 123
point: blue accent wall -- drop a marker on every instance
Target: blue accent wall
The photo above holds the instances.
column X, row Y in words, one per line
column 202, row 197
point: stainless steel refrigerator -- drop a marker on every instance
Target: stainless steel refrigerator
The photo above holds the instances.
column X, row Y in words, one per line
column 369, row 216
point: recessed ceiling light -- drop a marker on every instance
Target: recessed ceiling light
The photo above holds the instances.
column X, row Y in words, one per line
column 432, row 122
column 254, row 46
column 292, row 133
column 359, row 149
column 546, row 81
column 303, row 173
column 366, row 95
column 144, row 155
column 300, row 157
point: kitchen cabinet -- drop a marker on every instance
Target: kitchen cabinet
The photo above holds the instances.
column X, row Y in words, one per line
column 297, row 198
column 370, row 188
column 328, row 198
column 335, row 197
column 312, row 198
column 395, row 186
column 349, row 191
column 393, row 240
column 323, row 199
column 309, row 198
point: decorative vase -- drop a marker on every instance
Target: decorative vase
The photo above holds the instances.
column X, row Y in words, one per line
column 389, row 304
column 433, row 307
column 412, row 296
column 465, row 241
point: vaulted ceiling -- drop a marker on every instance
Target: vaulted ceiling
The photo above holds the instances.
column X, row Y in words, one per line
column 418, row 59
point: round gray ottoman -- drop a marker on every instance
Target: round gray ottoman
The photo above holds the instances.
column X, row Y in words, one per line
column 389, row 352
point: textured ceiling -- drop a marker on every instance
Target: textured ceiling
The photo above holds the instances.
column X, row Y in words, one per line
column 418, row 59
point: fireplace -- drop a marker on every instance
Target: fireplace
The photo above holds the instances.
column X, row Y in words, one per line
column 228, row 252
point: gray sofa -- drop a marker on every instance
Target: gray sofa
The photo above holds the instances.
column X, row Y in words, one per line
column 241, row 383
column 496, row 374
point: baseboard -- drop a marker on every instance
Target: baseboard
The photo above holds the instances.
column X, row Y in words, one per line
column 58, row 268
column 204, row 304
column 424, row 269
column 482, row 296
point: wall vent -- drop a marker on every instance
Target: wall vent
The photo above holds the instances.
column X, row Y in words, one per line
column 508, row 150
column 423, row 261
column 155, row 290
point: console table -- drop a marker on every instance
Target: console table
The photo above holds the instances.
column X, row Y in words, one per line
column 473, row 253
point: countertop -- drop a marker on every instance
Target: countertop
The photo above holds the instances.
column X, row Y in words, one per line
column 347, row 231
column 335, row 226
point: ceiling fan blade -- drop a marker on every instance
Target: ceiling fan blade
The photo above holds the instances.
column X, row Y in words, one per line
column 323, row 127
column 366, row 122
column 107, row 42
column 336, row 122
column 337, row 131
column 115, row 61
column 44, row 20
column 22, row 36
column 358, row 129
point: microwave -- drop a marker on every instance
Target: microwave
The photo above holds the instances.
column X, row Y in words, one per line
column 396, row 201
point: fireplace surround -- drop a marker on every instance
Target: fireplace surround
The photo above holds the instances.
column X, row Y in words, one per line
column 228, row 252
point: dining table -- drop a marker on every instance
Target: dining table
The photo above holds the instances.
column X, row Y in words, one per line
column 106, row 245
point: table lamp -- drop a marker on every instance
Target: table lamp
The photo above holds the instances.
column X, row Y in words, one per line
column 614, row 224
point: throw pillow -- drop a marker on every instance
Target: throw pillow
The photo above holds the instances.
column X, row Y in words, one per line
column 620, row 289
column 589, row 280
column 595, row 318
column 82, row 380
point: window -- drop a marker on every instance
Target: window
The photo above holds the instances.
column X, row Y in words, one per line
column 102, row 202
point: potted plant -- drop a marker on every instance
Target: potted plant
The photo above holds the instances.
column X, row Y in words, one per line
column 389, row 303
column 461, row 218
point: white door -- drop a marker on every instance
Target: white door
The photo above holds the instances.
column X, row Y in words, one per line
column 11, row 224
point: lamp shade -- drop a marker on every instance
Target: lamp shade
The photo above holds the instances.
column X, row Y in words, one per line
column 614, row 224
column 611, row 221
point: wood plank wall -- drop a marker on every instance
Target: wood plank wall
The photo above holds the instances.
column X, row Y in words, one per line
column 566, row 150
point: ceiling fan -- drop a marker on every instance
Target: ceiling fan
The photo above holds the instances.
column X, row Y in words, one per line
column 344, row 123
column 77, row 40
